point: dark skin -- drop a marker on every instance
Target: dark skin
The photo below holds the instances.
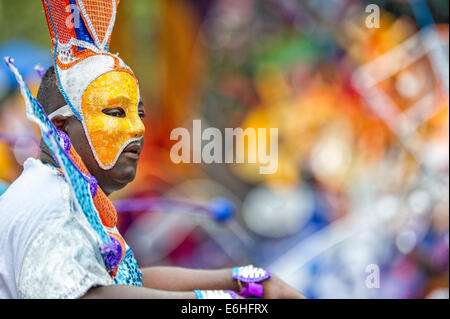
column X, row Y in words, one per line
column 110, row 180
column 158, row 282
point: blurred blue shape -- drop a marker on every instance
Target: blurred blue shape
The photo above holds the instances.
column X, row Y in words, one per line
column 222, row 209
column 3, row 187
column 422, row 13
column 26, row 56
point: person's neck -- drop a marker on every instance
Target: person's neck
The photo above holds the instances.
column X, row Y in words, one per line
column 46, row 156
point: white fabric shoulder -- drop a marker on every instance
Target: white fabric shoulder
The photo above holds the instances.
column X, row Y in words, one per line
column 33, row 200
column 62, row 261
column 34, row 212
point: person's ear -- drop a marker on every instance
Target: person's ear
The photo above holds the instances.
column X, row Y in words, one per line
column 60, row 123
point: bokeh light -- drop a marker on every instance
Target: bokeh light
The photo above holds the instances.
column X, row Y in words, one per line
column 363, row 122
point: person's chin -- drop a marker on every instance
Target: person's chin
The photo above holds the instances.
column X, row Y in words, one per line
column 124, row 171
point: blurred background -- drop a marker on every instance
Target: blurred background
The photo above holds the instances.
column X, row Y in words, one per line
column 362, row 186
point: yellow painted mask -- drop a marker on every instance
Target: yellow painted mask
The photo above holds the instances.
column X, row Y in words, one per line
column 108, row 134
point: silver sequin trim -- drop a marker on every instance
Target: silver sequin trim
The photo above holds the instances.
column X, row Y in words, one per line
column 62, row 260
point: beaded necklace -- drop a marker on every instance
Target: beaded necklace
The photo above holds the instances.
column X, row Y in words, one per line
column 106, row 210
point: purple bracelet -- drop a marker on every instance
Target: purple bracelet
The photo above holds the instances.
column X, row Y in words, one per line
column 252, row 290
column 251, row 276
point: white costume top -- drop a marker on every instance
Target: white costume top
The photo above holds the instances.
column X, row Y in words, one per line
column 47, row 247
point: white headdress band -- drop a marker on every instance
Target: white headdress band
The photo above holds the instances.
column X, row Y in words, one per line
column 65, row 111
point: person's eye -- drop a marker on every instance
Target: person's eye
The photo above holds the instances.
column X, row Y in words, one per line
column 114, row 111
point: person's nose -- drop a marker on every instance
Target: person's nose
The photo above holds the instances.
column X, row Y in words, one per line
column 137, row 128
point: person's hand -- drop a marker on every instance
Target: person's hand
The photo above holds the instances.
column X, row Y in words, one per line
column 275, row 288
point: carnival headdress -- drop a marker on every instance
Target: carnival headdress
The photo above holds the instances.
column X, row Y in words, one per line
column 80, row 31
column 81, row 57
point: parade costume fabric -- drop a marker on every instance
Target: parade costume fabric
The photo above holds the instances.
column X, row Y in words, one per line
column 49, row 249
column 74, row 245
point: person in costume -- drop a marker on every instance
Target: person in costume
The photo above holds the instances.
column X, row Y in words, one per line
column 58, row 234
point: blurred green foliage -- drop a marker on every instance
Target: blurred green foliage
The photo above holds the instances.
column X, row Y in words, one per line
column 23, row 19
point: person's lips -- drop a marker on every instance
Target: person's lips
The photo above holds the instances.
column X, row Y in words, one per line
column 133, row 150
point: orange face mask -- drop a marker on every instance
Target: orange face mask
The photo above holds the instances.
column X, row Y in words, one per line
column 108, row 135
